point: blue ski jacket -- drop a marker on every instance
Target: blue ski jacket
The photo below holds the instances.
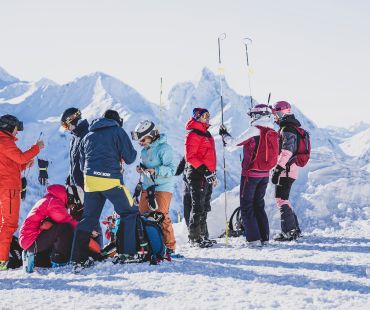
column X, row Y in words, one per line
column 75, row 173
column 102, row 152
column 159, row 155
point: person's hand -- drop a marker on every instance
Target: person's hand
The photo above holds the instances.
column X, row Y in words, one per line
column 276, row 174
column 40, row 144
column 151, row 170
column 223, row 131
column 94, row 234
column 139, row 169
column 211, row 178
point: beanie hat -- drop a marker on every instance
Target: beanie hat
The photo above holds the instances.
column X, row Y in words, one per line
column 198, row 112
column 112, row 114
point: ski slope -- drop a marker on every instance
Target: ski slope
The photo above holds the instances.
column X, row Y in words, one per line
column 323, row 270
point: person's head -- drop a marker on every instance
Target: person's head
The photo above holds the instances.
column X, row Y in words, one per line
column 70, row 118
column 112, row 114
column 145, row 133
column 11, row 124
column 280, row 109
column 75, row 196
column 259, row 111
column 201, row 115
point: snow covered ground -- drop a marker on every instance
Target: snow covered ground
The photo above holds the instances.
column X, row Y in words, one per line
column 323, row 270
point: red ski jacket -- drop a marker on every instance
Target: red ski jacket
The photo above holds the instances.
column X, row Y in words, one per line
column 200, row 149
column 13, row 161
column 53, row 206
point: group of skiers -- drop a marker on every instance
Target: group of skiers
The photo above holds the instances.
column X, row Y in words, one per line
column 64, row 225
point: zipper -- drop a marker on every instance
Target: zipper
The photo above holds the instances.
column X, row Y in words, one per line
column 10, row 199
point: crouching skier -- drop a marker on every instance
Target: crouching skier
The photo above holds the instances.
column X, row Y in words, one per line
column 260, row 153
column 200, row 156
column 102, row 151
column 158, row 169
column 286, row 171
column 49, row 226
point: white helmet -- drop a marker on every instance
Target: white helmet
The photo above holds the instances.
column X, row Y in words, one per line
column 144, row 129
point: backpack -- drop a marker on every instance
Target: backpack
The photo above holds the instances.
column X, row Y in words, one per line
column 266, row 155
column 302, row 156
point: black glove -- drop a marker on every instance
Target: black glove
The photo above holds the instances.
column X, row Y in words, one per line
column 43, row 171
column 210, row 176
column 223, row 131
column 276, row 174
column 24, row 188
column 180, row 167
column 151, row 198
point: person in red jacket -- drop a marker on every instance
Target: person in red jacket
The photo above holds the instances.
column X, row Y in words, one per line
column 12, row 162
column 49, row 225
column 200, row 155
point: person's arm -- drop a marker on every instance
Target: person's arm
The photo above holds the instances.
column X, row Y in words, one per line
column 167, row 169
column 288, row 147
column 128, row 153
column 22, row 158
column 59, row 213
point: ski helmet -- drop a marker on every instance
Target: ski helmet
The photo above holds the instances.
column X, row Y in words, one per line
column 70, row 116
column 144, row 129
column 75, row 195
column 281, row 108
column 112, row 114
column 9, row 122
column 258, row 111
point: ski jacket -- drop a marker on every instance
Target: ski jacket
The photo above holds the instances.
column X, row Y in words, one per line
column 249, row 140
column 13, row 161
column 199, row 149
column 75, row 173
column 102, row 151
column 288, row 145
column 53, row 206
column 159, row 155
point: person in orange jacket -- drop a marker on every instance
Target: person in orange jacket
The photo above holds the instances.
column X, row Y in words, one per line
column 12, row 162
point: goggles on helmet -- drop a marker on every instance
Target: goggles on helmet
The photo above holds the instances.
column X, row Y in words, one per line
column 65, row 124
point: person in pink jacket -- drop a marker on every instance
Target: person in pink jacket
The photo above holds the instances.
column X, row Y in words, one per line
column 49, row 226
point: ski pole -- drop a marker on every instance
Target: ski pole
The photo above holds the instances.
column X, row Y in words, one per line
column 248, row 41
column 221, row 71
column 160, row 105
column 268, row 100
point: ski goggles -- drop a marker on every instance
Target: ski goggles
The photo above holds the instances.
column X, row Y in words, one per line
column 206, row 115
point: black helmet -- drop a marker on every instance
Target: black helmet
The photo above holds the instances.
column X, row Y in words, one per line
column 112, row 114
column 9, row 122
column 70, row 116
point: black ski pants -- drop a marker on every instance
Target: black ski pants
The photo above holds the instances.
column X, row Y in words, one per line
column 252, row 207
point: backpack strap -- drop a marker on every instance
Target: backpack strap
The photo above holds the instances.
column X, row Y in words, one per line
column 201, row 133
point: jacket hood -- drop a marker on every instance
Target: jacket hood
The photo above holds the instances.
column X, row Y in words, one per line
column 81, row 128
column 58, row 191
column 4, row 133
column 102, row 122
column 289, row 120
column 193, row 124
column 162, row 139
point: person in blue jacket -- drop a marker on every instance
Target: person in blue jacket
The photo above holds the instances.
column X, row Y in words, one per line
column 103, row 151
column 158, row 169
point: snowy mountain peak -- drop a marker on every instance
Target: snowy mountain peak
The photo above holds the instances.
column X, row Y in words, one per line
column 6, row 78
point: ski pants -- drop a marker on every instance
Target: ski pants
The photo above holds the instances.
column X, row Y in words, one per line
column 163, row 200
column 252, row 207
column 188, row 206
column 288, row 218
column 200, row 193
column 59, row 239
column 10, row 201
column 94, row 203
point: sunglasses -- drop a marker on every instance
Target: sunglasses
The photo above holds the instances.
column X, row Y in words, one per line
column 206, row 115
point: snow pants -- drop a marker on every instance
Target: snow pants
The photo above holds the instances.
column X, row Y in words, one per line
column 288, row 218
column 188, row 207
column 252, row 207
column 163, row 200
column 200, row 196
column 94, row 203
column 59, row 239
column 10, row 201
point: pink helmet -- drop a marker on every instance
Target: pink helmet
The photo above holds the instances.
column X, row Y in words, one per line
column 281, row 108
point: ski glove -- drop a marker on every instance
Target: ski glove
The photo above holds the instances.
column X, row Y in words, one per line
column 43, row 171
column 211, row 178
column 223, row 131
column 276, row 174
column 24, row 188
column 151, row 198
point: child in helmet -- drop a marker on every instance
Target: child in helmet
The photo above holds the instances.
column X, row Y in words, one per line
column 260, row 152
column 49, row 225
column 158, row 169
column 285, row 172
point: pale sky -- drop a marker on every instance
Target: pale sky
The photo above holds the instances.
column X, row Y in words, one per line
column 314, row 53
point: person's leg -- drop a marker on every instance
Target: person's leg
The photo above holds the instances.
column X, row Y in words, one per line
column 282, row 190
column 247, row 191
column 94, row 202
column 9, row 214
column 207, row 208
column 196, row 183
column 144, row 203
column 164, row 202
column 259, row 209
column 187, row 203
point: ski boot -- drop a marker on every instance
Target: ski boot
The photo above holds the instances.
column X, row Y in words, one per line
column 3, row 265
column 78, row 267
column 288, row 236
column 127, row 259
column 28, row 261
column 171, row 254
column 57, row 265
column 201, row 243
